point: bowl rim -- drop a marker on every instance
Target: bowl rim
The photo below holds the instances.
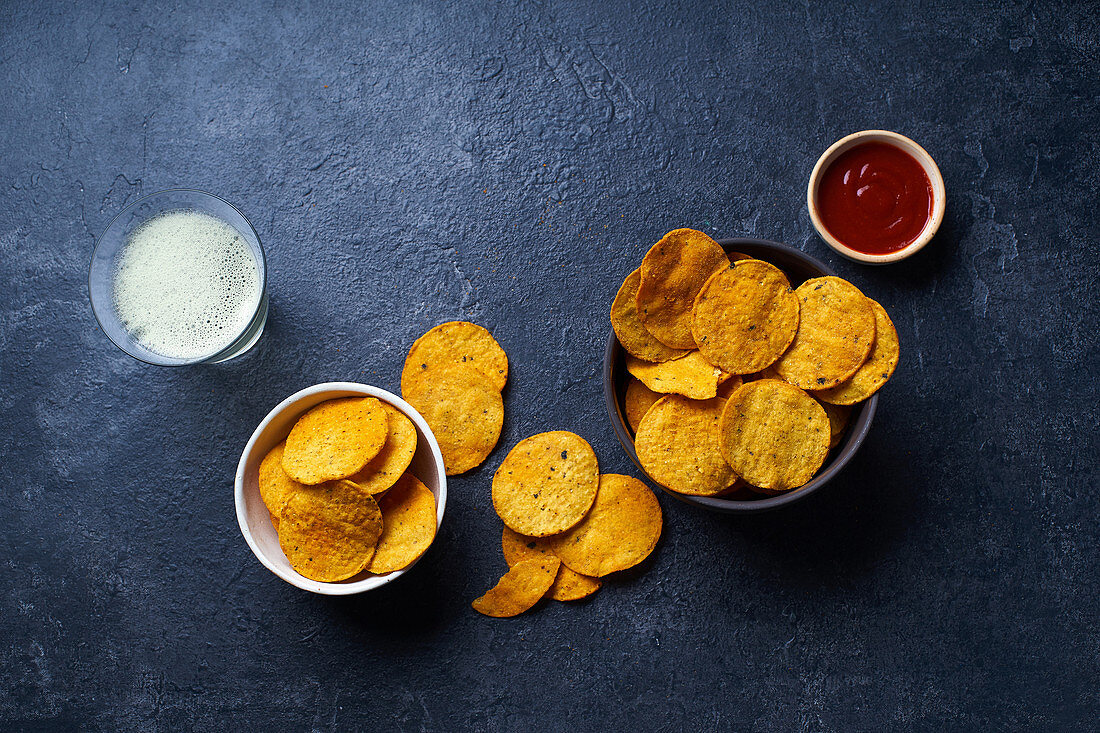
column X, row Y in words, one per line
column 858, row 426
column 343, row 388
column 99, row 313
column 939, row 195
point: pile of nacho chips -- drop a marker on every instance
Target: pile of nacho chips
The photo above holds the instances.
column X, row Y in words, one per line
column 566, row 526
column 453, row 376
column 340, row 494
column 738, row 380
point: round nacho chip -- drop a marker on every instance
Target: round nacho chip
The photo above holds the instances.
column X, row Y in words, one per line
column 745, row 317
column 835, row 334
column 672, row 273
column 635, row 337
column 397, row 453
column 875, row 372
column 691, row 376
column 568, row 585
column 677, row 444
column 546, row 484
column 521, row 587
column 773, row 434
column 457, row 342
column 639, row 398
column 275, row 486
column 408, row 525
column 335, row 439
column 463, row 409
column 619, row 532
column 328, row 532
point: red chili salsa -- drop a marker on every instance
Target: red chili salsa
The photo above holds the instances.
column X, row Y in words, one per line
column 875, row 198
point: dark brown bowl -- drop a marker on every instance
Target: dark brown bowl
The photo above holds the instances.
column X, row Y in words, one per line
column 799, row 267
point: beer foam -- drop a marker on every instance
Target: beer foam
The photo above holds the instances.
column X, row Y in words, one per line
column 186, row 284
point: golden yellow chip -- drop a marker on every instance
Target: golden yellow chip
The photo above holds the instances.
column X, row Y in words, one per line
column 726, row 387
column 408, row 525
column 457, row 342
column 520, row 588
column 634, row 337
column 568, row 585
column 619, row 532
column 275, row 486
column 745, row 317
column 691, row 376
column 677, row 444
column 835, row 334
column 546, row 484
column 774, row 435
column 463, row 409
column 639, row 398
column 838, row 420
column 876, row 371
column 396, row 454
column 329, row 531
column 335, row 439
column 672, row 273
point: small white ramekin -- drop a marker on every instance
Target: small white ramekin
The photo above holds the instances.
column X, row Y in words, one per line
column 252, row 514
column 939, row 195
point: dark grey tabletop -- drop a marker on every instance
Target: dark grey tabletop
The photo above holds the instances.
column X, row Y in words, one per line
column 407, row 164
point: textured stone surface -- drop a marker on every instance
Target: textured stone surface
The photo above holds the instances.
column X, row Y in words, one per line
column 407, row 164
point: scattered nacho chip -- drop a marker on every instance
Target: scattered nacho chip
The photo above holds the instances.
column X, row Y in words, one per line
column 546, row 484
column 457, row 342
column 691, row 376
column 838, row 421
column 639, row 398
column 397, row 453
column 521, row 587
column 568, row 585
column 464, row 410
column 619, row 532
column 635, row 337
column 335, row 439
column 835, row 334
column 745, row 317
column 328, row 532
column 672, row 273
column 275, row 486
column 774, row 435
column 408, row 525
column 875, row 372
column 677, row 444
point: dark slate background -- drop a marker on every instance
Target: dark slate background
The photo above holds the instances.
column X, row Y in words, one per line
column 410, row 163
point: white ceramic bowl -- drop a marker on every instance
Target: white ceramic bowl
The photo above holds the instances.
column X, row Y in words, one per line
column 939, row 194
column 252, row 514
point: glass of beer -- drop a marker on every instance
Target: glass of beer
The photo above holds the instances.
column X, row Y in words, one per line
column 179, row 277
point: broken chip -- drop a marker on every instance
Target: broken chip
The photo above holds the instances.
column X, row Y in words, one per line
column 691, row 375
column 568, row 585
column 522, row 587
